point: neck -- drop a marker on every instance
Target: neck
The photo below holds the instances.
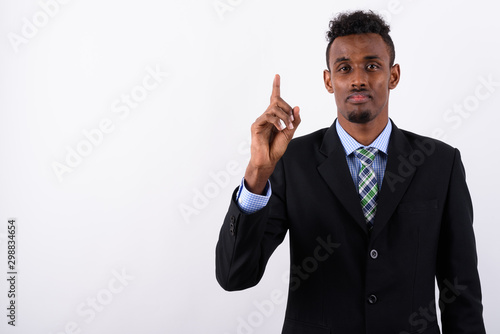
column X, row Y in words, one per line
column 364, row 133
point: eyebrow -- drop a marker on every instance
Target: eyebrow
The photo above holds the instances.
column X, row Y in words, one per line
column 341, row 59
column 371, row 57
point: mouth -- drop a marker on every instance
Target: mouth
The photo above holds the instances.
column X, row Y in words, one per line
column 358, row 97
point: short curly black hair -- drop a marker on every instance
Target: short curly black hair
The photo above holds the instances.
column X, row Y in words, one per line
column 359, row 22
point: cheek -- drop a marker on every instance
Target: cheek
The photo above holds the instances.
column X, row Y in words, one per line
column 338, row 87
column 339, row 96
column 382, row 88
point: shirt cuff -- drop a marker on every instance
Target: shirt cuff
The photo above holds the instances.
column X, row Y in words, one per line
column 249, row 202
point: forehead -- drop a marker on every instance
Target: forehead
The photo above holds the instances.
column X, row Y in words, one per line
column 359, row 46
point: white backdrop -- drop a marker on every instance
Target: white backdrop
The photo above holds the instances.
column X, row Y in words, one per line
column 125, row 128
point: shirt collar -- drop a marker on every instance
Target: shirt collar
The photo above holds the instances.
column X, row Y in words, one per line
column 350, row 144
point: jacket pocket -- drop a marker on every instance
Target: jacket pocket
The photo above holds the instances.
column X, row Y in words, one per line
column 299, row 327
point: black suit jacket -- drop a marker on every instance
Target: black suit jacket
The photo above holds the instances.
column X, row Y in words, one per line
column 345, row 279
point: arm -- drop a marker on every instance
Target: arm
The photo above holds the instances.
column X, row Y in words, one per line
column 246, row 241
column 457, row 275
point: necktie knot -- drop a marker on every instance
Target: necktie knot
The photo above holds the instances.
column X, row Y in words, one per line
column 366, row 155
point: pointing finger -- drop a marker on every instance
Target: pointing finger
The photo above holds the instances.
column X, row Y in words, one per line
column 276, row 86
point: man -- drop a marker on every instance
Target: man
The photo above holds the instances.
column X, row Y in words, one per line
column 375, row 214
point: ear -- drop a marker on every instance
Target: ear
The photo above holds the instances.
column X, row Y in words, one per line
column 327, row 78
column 395, row 75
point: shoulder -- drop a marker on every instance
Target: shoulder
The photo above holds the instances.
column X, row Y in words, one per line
column 427, row 144
column 426, row 151
column 307, row 143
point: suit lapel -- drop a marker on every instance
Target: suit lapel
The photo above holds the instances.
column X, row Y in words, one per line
column 335, row 172
column 397, row 178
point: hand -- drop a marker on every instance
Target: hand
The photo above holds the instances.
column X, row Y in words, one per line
column 270, row 139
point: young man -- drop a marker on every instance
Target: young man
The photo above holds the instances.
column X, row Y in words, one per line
column 375, row 214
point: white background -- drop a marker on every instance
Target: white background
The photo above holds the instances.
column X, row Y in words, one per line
column 120, row 208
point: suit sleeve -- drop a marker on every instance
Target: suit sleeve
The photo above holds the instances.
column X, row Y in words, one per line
column 457, row 275
column 247, row 241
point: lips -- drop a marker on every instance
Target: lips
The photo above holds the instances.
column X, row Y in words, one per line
column 358, row 97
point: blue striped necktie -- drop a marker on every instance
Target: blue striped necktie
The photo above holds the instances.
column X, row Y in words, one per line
column 367, row 184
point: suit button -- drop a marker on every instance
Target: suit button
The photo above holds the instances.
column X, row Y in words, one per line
column 232, row 219
column 372, row 299
column 373, row 254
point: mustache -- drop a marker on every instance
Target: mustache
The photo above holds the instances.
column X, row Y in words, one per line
column 363, row 92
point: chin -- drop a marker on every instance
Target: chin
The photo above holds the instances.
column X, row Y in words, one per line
column 359, row 117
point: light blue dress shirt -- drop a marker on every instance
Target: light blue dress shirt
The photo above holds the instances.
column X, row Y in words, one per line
column 250, row 203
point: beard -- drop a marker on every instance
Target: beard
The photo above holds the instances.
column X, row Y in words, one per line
column 360, row 117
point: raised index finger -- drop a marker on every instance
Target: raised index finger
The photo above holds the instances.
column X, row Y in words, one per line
column 276, row 86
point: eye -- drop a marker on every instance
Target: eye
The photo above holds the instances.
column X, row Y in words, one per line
column 372, row 66
column 344, row 68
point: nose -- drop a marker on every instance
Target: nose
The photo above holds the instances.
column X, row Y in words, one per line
column 358, row 78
